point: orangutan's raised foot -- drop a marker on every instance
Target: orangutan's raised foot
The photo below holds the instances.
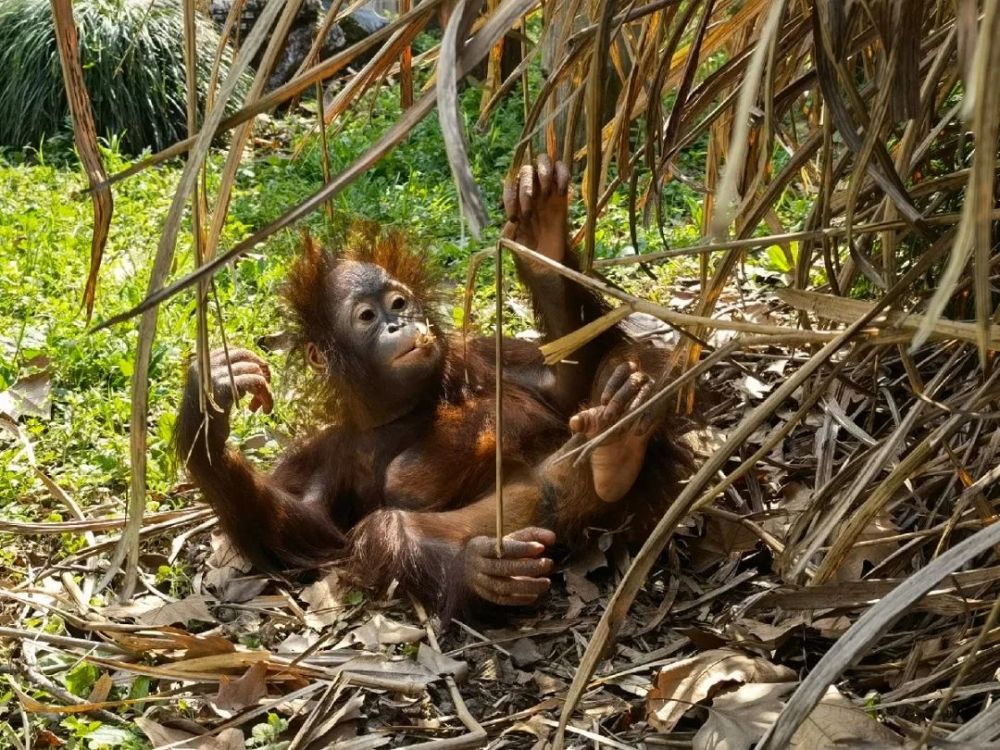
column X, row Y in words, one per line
column 615, row 463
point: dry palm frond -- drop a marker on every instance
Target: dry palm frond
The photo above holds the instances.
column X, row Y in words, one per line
column 67, row 40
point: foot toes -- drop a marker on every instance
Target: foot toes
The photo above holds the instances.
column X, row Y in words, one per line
column 624, row 396
column 618, row 378
column 587, row 421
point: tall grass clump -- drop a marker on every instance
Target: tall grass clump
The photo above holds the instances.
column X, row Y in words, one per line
column 132, row 55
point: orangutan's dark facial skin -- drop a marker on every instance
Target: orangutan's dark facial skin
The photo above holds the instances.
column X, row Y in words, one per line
column 381, row 315
column 381, row 332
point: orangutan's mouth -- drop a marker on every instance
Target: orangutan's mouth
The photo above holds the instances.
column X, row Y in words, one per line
column 421, row 344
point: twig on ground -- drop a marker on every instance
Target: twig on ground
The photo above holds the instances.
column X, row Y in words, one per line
column 476, row 734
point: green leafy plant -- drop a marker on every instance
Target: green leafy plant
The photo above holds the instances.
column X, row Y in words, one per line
column 81, row 678
column 177, row 578
column 133, row 67
column 95, row 735
column 265, row 735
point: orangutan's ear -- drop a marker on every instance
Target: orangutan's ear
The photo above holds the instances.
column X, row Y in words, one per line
column 316, row 359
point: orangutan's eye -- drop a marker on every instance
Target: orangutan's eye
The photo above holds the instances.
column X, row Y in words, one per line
column 366, row 315
column 398, row 303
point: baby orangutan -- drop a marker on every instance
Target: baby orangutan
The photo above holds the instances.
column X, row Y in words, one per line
column 401, row 483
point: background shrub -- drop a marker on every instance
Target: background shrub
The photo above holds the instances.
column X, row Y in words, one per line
column 133, row 63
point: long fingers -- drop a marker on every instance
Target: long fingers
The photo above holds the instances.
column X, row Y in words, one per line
column 484, row 546
column 543, row 169
column 520, row 575
column 510, row 206
column 220, row 372
column 256, row 385
column 533, row 534
column 525, row 189
column 626, row 389
column 533, row 181
column 509, row 591
column 562, row 177
column 645, row 422
column 247, row 372
column 532, row 567
column 218, row 357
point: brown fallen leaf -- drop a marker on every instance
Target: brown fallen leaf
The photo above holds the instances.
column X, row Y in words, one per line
column 381, row 631
column 442, row 665
column 33, row 706
column 325, row 600
column 703, row 441
column 738, row 719
column 766, row 634
column 30, row 396
column 218, row 662
column 224, row 564
column 297, row 643
column 195, row 646
column 796, row 499
column 242, row 589
column 682, row 684
column 194, row 607
column 159, row 735
column 754, row 389
column 171, row 639
column 244, row 691
column 574, row 608
column 524, row 652
column 577, row 584
column 338, row 727
column 403, row 675
column 832, row 627
column 132, row 609
column 836, row 722
column 227, row 739
column 721, row 540
column 533, row 725
column 547, row 684
column 102, row 689
column 575, row 574
column 853, row 565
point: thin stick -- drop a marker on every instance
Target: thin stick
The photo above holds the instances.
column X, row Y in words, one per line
column 63, row 641
column 525, row 91
column 40, row 680
column 595, row 96
column 499, row 397
column 324, row 148
column 406, row 65
column 776, row 239
column 476, row 736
